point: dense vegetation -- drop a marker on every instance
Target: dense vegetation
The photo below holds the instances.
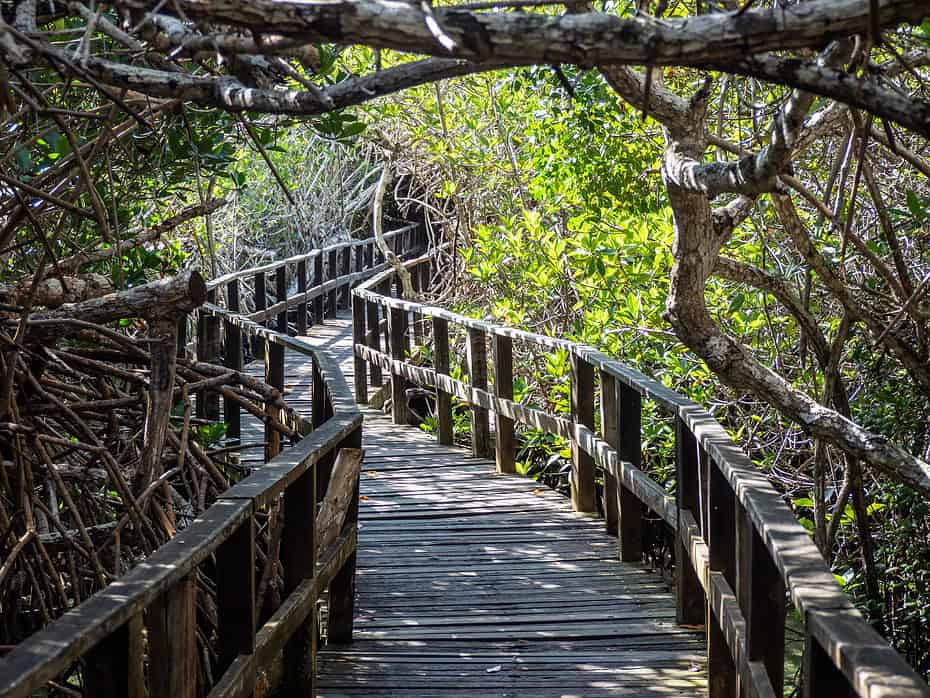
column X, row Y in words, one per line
column 764, row 250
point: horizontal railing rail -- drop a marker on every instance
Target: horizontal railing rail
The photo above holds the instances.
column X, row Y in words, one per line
column 138, row 636
column 739, row 551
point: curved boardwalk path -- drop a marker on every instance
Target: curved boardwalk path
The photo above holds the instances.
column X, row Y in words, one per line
column 478, row 584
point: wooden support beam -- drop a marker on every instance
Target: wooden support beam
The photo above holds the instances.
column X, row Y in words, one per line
column 340, row 621
column 261, row 302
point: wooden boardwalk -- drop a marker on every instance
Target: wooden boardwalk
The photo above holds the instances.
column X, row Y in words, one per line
column 472, row 583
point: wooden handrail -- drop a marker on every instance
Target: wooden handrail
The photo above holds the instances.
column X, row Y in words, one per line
column 157, row 598
column 739, row 551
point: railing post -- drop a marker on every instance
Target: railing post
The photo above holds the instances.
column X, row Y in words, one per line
column 172, row 641
column 610, row 432
column 441, row 364
column 208, row 348
column 182, row 335
column 369, row 255
column 819, row 676
column 373, row 337
column 761, row 594
column 114, row 667
column 317, row 281
column 721, row 543
column 359, row 339
column 690, row 605
column 397, row 321
column 359, row 262
column 302, row 288
column 235, row 594
column 478, row 378
column 298, row 558
column 274, row 368
column 503, row 389
column 233, row 360
column 630, row 509
column 346, row 288
column 332, row 272
column 261, row 302
column 416, row 317
column 584, row 494
column 317, row 396
column 342, row 588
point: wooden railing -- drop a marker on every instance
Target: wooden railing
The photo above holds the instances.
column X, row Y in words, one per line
column 739, row 551
column 138, row 636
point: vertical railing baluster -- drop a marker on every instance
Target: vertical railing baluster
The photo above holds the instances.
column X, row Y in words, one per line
column 610, row 432
column 182, row 335
column 761, row 593
column 345, row 293
column 172, row 641
column 503, row 388
column 373, row 337
column 441, row 364
column 317, row 396
column 302, row 288
column 208, row 348
column 690, row 607
column 332, row 272
column 417, row 318
column 317, row 282
column 298, row 558
column 819, row 676
column 274, row 368
column 114, row 667
column 583, row 491
column 478, row 378
column 397, row 321
column 342, row 588
column 359, row 317
column 369, row 255
column 721, row 538
column 630, row 509
column 359, row 262
column 235, row 594
column 232, row 360
column 261, row 302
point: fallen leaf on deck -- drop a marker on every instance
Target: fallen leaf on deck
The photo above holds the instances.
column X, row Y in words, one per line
column 493, row 669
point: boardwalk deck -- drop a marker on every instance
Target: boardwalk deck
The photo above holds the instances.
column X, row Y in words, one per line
column 472, row 583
